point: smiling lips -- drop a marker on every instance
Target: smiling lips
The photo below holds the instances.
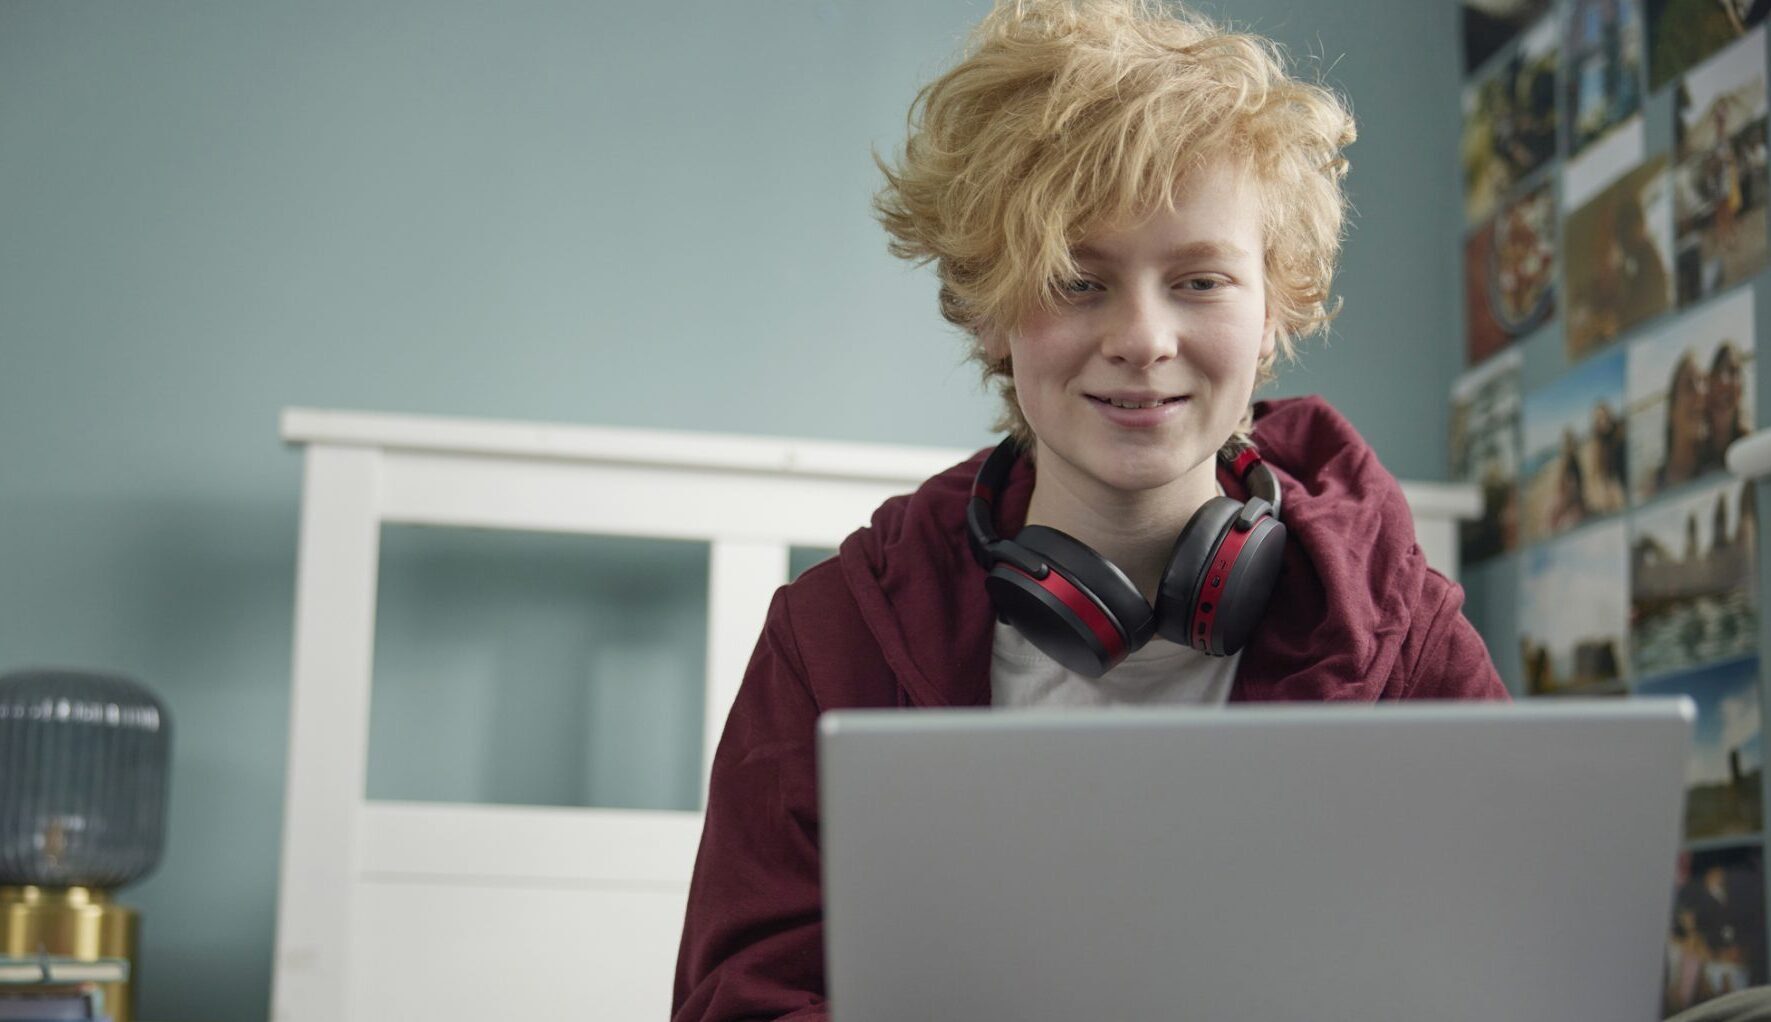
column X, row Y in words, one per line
column 1137, row 410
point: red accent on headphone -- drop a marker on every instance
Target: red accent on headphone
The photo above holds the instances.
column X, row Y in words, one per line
column 1083, row 607
column 1212, row 586
column 984, row 493
column 1248, row 459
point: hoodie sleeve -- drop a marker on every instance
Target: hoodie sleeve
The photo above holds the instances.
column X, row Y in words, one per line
column 753, row 934
column 1450, row 660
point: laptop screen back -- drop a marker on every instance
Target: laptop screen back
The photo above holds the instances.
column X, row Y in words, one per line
column 1446, row 862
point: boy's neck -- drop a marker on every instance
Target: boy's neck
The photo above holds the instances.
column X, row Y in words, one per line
column 1136, row 531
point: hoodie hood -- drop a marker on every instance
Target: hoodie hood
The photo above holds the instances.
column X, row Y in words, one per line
column 1334, row 628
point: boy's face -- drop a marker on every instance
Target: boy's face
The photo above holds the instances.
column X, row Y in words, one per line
column 1169, row 315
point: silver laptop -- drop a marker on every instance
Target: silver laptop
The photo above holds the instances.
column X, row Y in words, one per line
column 1443, row 862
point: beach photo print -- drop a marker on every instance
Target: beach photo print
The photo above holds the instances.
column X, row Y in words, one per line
column 1691, row 395
column 1724, row 779
column 1693, row 560
column 1574, row 613
column 1575, row 444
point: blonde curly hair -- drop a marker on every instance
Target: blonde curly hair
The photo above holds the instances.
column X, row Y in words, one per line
column 1065, row 116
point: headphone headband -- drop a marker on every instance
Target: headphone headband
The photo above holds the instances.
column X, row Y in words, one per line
column 980, row 510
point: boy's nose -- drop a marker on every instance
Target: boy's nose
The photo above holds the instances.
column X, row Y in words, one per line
column 1142, row 335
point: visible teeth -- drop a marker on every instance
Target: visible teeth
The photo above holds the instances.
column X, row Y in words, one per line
column 1133, row 404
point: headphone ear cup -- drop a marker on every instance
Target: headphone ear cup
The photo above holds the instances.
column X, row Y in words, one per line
column 1212, row 597
column 1040, row 616
column 1079, row 614
column 1193, row 549
column 1248, row 588
column 1098, row 578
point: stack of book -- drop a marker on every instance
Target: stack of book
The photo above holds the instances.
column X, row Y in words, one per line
column 52, row 987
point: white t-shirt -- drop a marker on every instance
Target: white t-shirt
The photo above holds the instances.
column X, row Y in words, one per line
column 1162, row 672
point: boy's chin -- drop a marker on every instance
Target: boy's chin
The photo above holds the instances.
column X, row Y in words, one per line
column 1145, row 475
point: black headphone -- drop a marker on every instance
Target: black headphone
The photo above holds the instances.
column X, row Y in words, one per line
column 1079, row 609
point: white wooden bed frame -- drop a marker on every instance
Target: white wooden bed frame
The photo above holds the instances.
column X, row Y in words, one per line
column 397, row 910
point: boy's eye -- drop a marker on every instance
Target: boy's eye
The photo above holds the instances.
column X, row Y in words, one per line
column 1080, row 286
column 1202, row 284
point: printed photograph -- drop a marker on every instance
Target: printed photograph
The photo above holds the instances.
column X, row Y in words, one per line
column 1604, row 68
column 1724, row 778
column 1510, row 274
column 1692, row 580
column 1691, row 393
column 1683, row 32
column 1576, row 449
column 1574, row 613
column 1606, row 160
column 1617, row 258
column 1716, row 944
column 1489, row 25
column 1485, row 445
column 1509, row 122
column 1719, row 183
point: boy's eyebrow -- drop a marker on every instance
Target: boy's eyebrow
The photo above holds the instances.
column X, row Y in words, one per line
column 1193, row 250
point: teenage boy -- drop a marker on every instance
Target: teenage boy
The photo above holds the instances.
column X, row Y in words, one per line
column 1133, row 215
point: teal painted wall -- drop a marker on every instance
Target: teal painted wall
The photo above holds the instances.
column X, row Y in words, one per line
column 621, row 214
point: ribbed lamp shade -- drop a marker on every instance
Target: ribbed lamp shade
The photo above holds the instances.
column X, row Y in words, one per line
column 83, row 762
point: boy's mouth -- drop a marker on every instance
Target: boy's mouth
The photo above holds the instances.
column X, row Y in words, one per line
column 1134, row 401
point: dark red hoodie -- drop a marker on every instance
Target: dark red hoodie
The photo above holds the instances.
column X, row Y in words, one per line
column 900, row 618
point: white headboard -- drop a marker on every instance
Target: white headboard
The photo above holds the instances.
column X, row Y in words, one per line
column 451, row 911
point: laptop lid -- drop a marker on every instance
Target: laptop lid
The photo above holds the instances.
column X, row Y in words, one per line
column 1324, row 862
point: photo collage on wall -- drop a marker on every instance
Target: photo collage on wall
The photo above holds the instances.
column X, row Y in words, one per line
column 1720, row 176
column 1485, row 450
column 1636, row 550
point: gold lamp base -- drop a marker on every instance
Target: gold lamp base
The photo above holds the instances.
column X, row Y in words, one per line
column 80, row 922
